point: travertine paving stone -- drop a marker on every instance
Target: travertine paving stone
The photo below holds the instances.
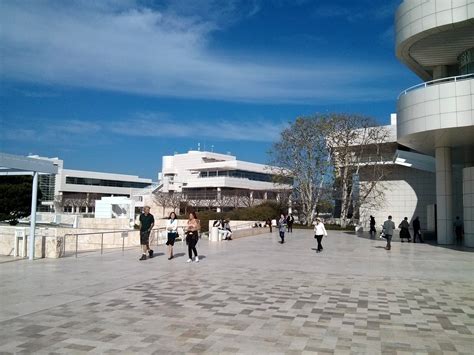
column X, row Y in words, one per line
column 247, row 296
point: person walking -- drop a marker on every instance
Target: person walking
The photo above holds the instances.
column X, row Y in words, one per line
column 417, row 230
column 147, row 221
column 404, row 230
column 290, row 220
column 192, row 236
column 319, row 233
column 458, row 229
column 282, row 227
column 388, row 228
column 172, row 229
column 268, row 223
column 372, row 230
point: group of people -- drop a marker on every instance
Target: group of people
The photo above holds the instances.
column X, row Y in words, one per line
column 286, row 223
column 193, row 226
column 388, row 228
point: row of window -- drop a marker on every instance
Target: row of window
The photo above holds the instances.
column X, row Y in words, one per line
column 239, row 174
column 102, row 182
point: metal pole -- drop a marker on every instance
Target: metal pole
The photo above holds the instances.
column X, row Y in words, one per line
column 102, row 243
column 77, row 236
column 34, row 198
column 123, row 242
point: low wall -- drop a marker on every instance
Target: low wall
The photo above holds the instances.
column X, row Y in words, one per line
column 236, row 224
column 47, row 244
column 57, row 242
column 249, row 232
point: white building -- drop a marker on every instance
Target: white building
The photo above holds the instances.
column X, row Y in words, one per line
column 75, row 191
column 213, row 178
column 408, row 188
column 435, row 39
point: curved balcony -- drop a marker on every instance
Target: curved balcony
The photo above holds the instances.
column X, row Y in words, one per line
column 433, row 33
column 437, row 113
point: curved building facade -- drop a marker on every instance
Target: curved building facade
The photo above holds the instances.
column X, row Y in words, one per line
column 435, row 39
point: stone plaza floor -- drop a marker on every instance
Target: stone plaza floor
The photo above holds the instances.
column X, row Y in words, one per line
column 249, row 296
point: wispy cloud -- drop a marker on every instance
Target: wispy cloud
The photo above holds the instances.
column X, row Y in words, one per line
column 80, row 132
column 358, row 10
column 37, row 94
column 254, row 131
column 164, row 51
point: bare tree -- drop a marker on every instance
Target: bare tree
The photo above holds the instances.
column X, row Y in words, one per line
column 357, row 146
column 302, row 156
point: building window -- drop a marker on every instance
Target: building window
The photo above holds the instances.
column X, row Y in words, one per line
column 102, row 182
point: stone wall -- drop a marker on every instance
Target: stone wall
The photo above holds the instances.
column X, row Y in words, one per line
column 47, row 244
column 54, row 242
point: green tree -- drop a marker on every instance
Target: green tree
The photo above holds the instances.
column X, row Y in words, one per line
column 15, row 197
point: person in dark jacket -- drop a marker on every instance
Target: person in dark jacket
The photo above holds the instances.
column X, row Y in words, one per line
column 289, row 222
column 404, row 231
column 417, row 230
column 372, row 230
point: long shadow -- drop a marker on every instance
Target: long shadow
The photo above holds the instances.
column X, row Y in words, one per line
column 456, row 247
column 428, row 238
column 179, row 255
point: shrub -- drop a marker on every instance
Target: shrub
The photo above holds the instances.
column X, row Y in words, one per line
column 261, row 212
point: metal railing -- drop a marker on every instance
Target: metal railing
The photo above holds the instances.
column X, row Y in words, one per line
column 437, row 81
column 124, row 233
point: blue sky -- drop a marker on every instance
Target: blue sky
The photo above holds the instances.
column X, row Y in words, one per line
column 114, row 85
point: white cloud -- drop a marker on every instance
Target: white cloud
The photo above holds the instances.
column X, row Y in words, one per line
column 158, row 125
column 81, row 132
column 161, row 52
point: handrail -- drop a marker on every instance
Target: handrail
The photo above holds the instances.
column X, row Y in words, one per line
column 124, row 234
column 428, row 83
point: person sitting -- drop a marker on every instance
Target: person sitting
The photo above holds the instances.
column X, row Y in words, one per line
column 228, row 235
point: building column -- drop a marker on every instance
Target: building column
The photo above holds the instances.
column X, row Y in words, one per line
column 444, row 196
column 219, row 199
column 34, row 201
column 468, row 205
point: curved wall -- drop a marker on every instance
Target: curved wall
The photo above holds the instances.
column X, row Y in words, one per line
column 432, row 108
column 417, row 19
column 417, row 16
